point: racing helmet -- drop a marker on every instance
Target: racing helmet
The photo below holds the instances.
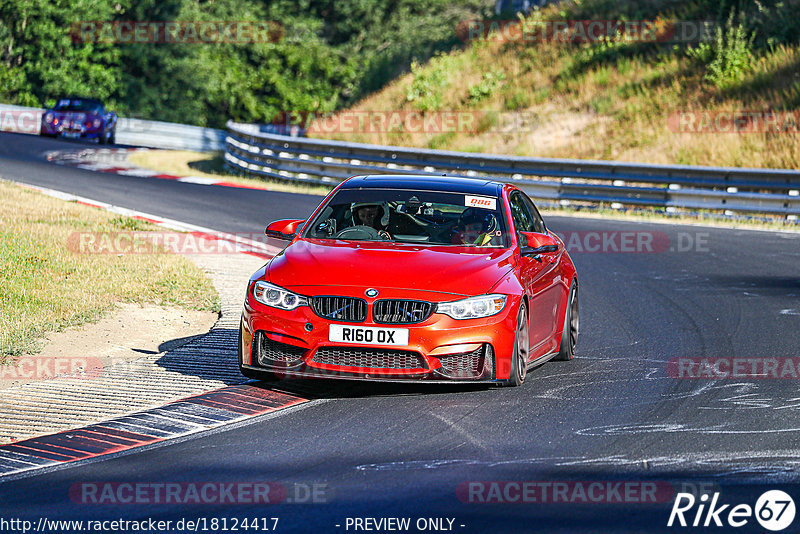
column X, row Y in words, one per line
column 384, row 206
column 480, row 216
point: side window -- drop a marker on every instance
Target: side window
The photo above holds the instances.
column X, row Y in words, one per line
column 538, row 222
column 523, row 221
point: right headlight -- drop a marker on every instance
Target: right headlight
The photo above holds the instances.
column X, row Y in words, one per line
column 473, row 307
column 277, row 297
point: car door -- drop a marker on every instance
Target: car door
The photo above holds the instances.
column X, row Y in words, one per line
column 537, row 275
column 553, row 293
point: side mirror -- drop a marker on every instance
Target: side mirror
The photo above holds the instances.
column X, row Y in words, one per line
column 536, row 244
column 284, row 229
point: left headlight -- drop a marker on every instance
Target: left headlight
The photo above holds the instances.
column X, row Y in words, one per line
column 474, row 307
column 277, row 297
column 48, row 117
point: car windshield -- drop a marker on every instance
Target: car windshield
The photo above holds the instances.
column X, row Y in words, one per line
column 410, row 216
column 75, row 104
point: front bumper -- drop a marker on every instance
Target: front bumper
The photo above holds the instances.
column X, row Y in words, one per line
column 76, row 130
column 440, row 349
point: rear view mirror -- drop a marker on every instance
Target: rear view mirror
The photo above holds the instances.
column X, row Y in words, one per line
column 535, row 244
column 285, row 229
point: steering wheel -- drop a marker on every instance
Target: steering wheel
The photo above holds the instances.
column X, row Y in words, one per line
column 363, row 232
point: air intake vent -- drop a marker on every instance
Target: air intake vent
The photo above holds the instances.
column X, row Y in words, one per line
column 273, row 354
column 401, row 311
column 369, row 358
column 345, row 309
column 464, row 366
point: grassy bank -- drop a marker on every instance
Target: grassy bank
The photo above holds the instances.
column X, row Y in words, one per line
column 613, row 99
column 45, row 287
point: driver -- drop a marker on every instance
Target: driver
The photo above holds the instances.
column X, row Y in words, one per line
column 475, row 227
column 372, row 214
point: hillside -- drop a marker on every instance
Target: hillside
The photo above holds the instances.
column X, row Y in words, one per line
column 521, row 90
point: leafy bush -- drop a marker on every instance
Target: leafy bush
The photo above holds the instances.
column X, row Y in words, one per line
column 489, row 83
column 519, row 99
column 729, row 58
column 426, row 89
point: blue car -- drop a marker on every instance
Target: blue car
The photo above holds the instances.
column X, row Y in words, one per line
column 80, row 118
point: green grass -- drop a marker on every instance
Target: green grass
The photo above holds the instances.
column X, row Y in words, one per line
column 46, row 286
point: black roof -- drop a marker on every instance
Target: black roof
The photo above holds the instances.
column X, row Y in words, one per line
column 455, row 184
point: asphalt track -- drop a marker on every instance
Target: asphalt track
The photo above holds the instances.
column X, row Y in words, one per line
column 612, row 414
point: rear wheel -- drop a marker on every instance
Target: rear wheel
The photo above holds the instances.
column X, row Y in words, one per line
column 569, row 335
column 519, row 359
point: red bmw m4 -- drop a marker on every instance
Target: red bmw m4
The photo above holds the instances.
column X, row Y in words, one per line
column 412, row 278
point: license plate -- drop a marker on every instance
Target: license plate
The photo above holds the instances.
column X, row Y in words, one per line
column 72, row 135
column 368, row 335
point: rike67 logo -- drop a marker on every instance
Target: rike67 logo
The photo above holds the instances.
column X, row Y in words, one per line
column 774, row 510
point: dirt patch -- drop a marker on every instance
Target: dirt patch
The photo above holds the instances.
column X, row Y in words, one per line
column 128, row 333
column 557, row 131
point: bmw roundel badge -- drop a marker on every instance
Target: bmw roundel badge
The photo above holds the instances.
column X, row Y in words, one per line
column 371, row 293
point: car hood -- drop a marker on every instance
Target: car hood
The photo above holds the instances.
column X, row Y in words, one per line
column 453, row 270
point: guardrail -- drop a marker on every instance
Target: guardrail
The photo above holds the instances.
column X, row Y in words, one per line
column 673, row 187
column 138, row 132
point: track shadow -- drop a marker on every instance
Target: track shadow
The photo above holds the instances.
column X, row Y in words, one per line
column 212, row 356
column 320, row 388
column 177, row 342
column 213, row 165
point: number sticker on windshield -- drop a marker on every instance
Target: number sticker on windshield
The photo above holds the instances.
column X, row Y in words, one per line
column 481, row 202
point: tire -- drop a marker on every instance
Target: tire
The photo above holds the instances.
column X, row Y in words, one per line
column 519, row 359
column 569, row 334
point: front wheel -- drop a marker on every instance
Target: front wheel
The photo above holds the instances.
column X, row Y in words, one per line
column 519, row 360
column 569, row 335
